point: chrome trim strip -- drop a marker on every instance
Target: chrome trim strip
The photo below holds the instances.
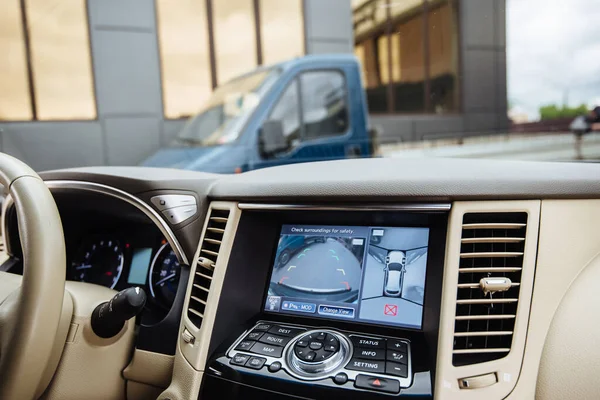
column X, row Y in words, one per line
column 67, row 185
column 366, row 207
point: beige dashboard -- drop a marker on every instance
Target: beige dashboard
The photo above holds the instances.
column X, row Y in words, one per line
column 553, row 353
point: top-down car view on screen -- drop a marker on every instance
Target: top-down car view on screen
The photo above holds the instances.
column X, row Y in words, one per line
column 299, row 199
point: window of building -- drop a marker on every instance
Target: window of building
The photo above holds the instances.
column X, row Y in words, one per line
column 194, row 61
column 235, row 38
column 15, row 102
column 324, row 104
column 184, row 51
column 281, row 30
column 409, row 57
column 47, row 68
column 60, row 59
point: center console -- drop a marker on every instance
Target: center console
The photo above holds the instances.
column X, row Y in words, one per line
column 329, row 303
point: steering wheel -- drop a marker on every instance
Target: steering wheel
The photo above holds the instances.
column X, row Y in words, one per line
column 31, row 307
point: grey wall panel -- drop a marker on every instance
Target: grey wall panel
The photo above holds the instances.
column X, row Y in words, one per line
column 124, row 13
column 500, row 23
column 171, row 128
column 393, row 128
column 131, row 140
column 500, row 79
column 50, row 145
column 328, row 19
column 477, row 22
column 127, row 72
column 325, row 47
column 482, row 123
column 439, row 126
column 479, row 80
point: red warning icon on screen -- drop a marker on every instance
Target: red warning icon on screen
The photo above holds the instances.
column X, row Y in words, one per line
column 390, row 309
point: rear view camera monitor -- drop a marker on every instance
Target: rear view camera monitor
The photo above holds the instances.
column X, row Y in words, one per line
column 365, row 274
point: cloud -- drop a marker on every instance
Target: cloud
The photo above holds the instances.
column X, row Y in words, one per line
column 553, row 52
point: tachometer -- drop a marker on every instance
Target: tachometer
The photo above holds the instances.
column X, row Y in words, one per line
column 164, row 275
column 99, row 262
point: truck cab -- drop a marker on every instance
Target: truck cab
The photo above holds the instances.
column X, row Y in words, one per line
column 311, row 108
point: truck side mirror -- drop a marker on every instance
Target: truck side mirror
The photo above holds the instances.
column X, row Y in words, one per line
column 271, row 138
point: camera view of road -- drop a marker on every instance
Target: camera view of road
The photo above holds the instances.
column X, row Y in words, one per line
column 405, row 308
column 319, row 268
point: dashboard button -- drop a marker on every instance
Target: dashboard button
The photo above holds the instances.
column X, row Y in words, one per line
column 256, row 362
column 245, row 345
column 377, row 383
column 322, row 355
column 274, row 339
column 331, row 348
column 315, row 345
column 397, row 356
column 366, row 365
column 166, row 201
column 262, row 327
column 239, row 359
column 280, row 330
column 301, row 343
column 274, row 367
column 321, row 335
column 340, row 378
column 397, row 345
column 267, row 349
column 310, row 356
column 179, row 214
column 392, row 368
column 370, row 354
column 368, row 343
column 254, row 335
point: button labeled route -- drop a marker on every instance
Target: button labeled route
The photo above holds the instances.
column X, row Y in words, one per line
column 274, row 339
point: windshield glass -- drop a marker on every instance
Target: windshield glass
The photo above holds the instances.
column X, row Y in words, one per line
column 222, row 118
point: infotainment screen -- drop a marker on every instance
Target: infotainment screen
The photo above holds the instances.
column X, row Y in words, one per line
column 367, row 274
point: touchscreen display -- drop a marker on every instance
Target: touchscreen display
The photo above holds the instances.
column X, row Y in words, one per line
column 366, row 274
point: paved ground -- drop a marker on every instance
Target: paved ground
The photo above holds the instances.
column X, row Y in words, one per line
column 516, row 146
column 323, row 266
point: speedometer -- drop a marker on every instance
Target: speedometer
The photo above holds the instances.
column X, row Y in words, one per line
column 164, row 275
column 99, row 262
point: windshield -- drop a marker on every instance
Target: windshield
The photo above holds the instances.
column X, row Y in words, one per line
column 166, row 84
column 222, row 118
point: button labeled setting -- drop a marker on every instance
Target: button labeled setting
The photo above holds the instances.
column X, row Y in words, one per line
column 280, row 330
column 266, row 350
column 397, row 356
column 366, row 366
column 370, row 354
column 274, row 339
column 376, row 383
column 368, row 343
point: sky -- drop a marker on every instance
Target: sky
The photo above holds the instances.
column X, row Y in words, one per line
column 553, row 53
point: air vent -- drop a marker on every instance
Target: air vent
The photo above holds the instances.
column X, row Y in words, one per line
column 489, row 277
column 207, row 260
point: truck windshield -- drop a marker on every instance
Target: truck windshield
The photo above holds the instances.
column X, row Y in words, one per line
column 226, row 111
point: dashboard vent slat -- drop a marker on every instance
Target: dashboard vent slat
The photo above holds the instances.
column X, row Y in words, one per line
column 206, row 264
column 492, row 246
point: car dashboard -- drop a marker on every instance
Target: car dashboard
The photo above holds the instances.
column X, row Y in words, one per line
column 372, row 278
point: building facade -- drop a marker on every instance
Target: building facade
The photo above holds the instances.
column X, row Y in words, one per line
column 107, row 82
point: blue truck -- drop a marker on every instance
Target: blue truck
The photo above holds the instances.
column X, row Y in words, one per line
column 311, row 108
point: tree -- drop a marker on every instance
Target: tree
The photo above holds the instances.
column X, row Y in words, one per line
column 552, row 111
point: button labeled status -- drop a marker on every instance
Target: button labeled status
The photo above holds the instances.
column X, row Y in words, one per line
column 366, row 366
column 370, row 354
column 378, row 384
column 367, row 343
column 283, row 331
column 274, row 339
column 266, row 350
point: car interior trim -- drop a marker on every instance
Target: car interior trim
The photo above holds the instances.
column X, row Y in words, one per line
column 68, row 185
column 365, row 207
